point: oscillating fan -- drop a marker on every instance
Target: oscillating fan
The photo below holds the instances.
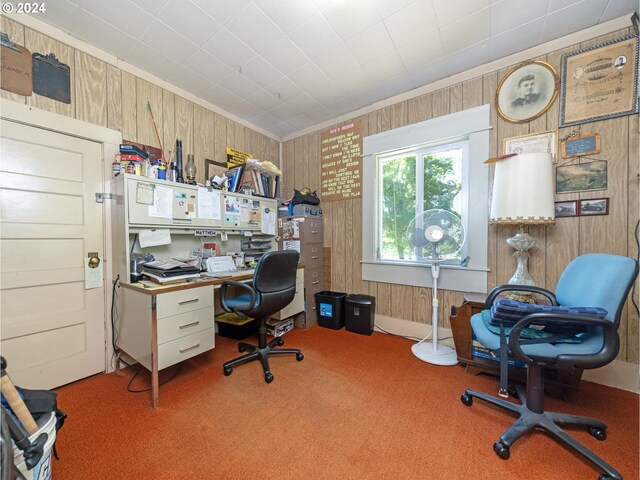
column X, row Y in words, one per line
column 436, row 235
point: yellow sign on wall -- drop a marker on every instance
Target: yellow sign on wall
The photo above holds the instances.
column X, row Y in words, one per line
column 236, row 157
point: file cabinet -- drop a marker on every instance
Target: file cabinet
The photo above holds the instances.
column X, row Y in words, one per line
column 305, row 234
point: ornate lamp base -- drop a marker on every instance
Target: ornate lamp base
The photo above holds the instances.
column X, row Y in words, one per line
column 522, row 242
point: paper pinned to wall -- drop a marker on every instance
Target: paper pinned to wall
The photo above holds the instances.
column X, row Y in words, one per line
column 268, row 221
column 162, row 203
column 209, row 203
column 154, row 237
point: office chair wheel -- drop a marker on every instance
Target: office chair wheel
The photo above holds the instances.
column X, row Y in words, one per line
column 604, row 476
column 299, row 357
column 598, row 433
column 242, row 348
column 268, row 377
column 501, row 450
column 227, row 371
column 280, row 341
column 466, row 399
column 512, row 392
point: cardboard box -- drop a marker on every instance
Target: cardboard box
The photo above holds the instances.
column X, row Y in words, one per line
column 277, row 328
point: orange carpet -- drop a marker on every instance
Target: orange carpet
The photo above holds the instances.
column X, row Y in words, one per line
column 356, row 407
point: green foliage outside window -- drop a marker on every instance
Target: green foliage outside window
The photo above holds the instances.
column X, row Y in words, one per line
column 442, row 184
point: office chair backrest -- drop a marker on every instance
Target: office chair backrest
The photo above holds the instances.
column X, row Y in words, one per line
column 597, row 280
column 275, row 279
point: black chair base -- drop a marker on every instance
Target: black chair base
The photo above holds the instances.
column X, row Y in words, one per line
column 530, row 420
column 261, row 352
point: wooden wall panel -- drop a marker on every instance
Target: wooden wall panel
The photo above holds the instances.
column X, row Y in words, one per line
column 204, row 139
column 184, row 125
column 313, row 167
column 299, row 166
column 129, row 108
column 148, row 92
column 15, row 32
column 114, row 98
column 419, row 109
column 168, row 127
column 455, row 98
column 239, row 138
column 39, row 43
column 288, row 173
column 472, row 93
column 440, row 101
column 91, row 89
column 220, row 139
column 338, row 246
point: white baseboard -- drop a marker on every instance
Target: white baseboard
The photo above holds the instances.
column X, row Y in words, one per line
column 618, row 374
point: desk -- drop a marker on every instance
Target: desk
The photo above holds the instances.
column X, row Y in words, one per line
column 557, row 382
column 159, row 327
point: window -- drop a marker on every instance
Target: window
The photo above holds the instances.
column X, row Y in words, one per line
column 412, row 182
column 438, row 163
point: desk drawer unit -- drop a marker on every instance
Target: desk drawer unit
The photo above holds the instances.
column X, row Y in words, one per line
column 174, row 351
column 182, row 301
column 185, row 324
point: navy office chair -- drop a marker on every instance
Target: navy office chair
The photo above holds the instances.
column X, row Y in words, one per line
column 593, row 280
column 273, row 288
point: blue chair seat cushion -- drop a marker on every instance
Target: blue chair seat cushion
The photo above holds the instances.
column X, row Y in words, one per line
column 509, row 312
column 588, row 343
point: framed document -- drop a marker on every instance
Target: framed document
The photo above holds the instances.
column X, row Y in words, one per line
column 600, row 82
column 526, row 91
column 544, row 142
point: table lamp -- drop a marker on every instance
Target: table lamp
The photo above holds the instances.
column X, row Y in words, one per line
column 523, row 194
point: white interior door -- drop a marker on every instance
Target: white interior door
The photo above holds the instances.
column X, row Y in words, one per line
column 52, row 328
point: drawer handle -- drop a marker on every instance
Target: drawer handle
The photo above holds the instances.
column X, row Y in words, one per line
column 182, row 350
column 189, row 324
column 193, row 300
column 314, row 231
column 316, row 282
column 315, row 258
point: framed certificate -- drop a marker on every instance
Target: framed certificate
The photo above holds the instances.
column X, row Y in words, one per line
column 600, row 82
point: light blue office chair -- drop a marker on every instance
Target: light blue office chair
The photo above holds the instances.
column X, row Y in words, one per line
column 593, row 280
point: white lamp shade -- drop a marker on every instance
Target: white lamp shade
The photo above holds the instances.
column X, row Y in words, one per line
column 523, row 190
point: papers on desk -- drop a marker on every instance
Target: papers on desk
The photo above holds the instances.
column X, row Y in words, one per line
column 222, row 264
column 154, row 237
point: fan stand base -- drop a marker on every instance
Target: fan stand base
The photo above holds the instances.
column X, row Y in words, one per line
column 444, row 355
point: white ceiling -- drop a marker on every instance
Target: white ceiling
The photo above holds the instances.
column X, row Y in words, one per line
column 285, row 65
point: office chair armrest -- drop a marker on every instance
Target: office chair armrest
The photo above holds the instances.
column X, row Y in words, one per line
column 518, row 288
column 242, row 285
column 610, row 344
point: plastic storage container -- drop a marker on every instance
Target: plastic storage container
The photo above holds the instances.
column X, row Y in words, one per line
column 330, row 308
column 234, row 326
column 360, row 311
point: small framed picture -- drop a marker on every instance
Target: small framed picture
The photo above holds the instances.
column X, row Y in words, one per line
column 582, row 177
column 566, row 209
column 527, row 91
column 594, row 206
column 577, row 146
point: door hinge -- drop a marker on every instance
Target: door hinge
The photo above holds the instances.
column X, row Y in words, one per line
column 101, row 197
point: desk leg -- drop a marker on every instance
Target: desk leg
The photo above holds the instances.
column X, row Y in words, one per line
column 154, row 352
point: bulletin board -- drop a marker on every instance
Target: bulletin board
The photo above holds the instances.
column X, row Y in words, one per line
column 341, row 162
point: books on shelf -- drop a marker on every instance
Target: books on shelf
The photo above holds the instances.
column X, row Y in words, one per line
column 255, row 182
column 234, row 176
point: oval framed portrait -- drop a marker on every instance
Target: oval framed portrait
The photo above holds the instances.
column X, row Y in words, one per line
column 527, row 91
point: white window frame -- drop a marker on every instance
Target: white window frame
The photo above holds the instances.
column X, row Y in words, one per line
column 472, row 125
column 419, row 153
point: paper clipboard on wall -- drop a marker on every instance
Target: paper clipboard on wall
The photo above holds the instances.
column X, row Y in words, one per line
column 15, row 67
column 51, row 78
